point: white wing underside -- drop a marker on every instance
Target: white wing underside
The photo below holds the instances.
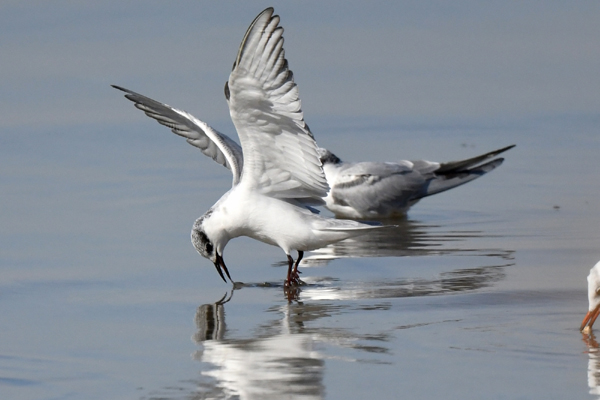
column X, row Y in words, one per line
column 280, row 155
column 221, row 148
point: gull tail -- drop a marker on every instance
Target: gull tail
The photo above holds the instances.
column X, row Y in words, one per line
column 455, row 173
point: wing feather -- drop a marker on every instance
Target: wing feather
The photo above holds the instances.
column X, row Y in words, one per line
column 218, row 146
column 377, row 188
column 280, row 154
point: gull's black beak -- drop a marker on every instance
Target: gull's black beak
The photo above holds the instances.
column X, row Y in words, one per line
column 220, row 266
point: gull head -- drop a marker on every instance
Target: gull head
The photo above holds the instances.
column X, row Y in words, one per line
column 593, row 298
column 207, row 245
column 327, row 157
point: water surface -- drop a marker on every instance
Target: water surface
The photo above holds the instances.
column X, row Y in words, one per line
column 478, row 293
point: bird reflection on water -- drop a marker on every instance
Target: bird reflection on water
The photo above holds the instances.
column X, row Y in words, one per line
column 287, row 354
column 460, row 280
column 406, row 237
column 593, row 351
column 282, row 355
column 281, row 360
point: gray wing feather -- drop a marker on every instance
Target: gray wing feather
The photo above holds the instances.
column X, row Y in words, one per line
column 281, row 157
column 381, row 188
column 218, row 146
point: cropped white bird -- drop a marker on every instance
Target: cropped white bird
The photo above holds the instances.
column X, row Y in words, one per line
column 279, row 175
column 593, row 298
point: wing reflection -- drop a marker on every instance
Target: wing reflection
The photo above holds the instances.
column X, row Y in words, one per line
column 593, row 363
column 406, row 238
column 460, row 280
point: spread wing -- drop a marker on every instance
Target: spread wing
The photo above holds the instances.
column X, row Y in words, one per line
column 280, row 154
column 214, row 144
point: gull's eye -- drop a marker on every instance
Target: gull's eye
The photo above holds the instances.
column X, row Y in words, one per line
column 205, row 242
column 202, row 243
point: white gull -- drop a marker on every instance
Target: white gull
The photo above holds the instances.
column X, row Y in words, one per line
column 593, row 298
column 277, row 175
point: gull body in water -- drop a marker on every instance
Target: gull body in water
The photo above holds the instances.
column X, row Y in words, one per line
column 277, row 173
column 375, row 190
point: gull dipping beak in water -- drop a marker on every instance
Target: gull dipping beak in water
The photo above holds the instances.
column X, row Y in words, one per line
column 277, row 172
column 593, row 298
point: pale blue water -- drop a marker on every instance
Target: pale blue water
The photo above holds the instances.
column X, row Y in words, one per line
column 479, row 293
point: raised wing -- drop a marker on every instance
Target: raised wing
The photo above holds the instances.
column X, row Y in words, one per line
column 216, row 145
column 280, row 155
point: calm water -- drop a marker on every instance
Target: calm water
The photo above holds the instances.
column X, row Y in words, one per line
column 478, row 293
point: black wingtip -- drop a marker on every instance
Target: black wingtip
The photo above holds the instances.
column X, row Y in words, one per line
column 506, row 148
column 268, row 10
column 227, row 93
column 457, row 166
column 122, row 89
